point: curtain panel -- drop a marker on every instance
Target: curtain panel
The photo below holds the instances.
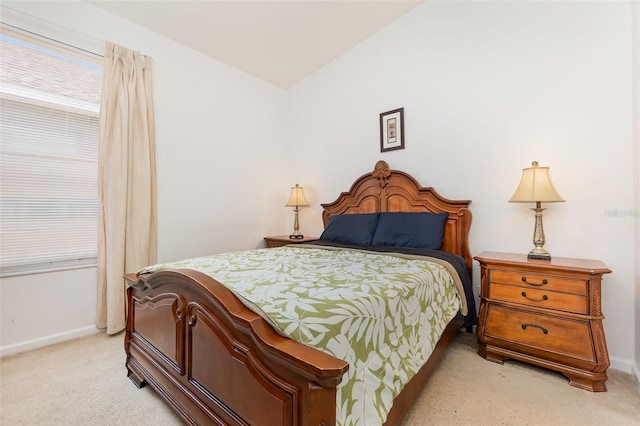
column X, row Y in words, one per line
column 127, row 239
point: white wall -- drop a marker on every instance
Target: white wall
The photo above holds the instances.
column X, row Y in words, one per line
column 41, row 309
column 487, row 88
column 636, row 139
column 220, row 161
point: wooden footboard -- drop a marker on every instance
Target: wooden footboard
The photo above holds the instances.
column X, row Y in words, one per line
column 216, row 362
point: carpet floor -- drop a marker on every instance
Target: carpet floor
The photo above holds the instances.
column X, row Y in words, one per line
column 83, row 382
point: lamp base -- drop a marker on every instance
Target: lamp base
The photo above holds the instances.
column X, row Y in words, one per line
column 539, row 252
column 539, row 256
column 296, row 236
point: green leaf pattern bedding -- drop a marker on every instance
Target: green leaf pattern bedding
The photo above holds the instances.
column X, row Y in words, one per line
column 381, row 313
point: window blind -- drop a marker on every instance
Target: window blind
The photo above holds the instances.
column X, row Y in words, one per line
column 49, row 127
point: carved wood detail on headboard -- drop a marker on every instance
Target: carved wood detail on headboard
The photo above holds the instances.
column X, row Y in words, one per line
column 386, row 190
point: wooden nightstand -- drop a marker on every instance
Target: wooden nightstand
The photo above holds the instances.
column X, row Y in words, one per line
column 283, row 240
column 546, row 313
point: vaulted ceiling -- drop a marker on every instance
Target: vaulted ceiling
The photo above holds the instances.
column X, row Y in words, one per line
column 281, row 42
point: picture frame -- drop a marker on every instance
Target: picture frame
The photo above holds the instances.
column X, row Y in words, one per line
column 392, row 130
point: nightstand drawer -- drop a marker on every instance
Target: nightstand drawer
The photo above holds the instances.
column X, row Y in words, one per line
column 541, row 281
column 283, row 240
column 545, row 332
column 540, row 297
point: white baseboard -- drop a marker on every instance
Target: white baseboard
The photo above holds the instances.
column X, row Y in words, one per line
column 627, row 366
column 28, row 345
column 622, row 364
column 636, row 372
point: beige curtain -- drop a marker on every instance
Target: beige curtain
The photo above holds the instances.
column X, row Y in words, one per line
column 127, row 179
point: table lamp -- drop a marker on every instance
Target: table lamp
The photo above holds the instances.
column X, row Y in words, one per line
column 536, row 187
column 296, row 199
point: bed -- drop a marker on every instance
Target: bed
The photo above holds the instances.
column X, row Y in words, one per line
column 216, row 358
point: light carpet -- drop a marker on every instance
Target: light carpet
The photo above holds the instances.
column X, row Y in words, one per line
column 83, row 382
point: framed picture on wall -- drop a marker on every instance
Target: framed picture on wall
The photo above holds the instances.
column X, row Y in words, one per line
column 392, row 130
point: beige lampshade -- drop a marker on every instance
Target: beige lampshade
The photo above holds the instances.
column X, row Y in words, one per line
column 535, row 185
column 297, row 197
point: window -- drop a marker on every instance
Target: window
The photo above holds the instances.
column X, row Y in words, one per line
column 49, row 127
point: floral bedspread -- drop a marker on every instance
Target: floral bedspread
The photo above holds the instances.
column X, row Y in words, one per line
column 381, row 313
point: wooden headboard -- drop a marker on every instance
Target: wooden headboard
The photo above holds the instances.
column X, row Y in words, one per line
column 386, row 190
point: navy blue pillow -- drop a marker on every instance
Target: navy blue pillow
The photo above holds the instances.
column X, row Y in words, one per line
column 421, row 230
column 351, row 228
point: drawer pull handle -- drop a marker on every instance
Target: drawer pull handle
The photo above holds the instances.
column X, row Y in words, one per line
column 544, row 330
column 544, row 282
column 544, row 297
